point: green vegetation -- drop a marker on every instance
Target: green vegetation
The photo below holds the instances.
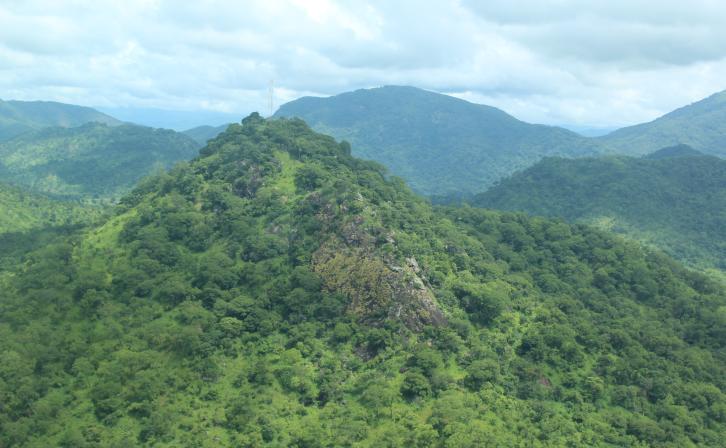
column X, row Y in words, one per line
column 29, row 221
column 701, row 125
column 90, row 161
column 202, row 134
column 439, row 144
column 18, row 117
column 21, row 210
column 277, row 291
column 670, row 152
column 670, row 199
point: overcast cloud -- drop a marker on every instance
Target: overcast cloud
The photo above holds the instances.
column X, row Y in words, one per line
column 590, row 63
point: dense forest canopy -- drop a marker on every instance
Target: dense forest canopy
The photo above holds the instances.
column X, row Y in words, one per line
column 674, row 199
column 91, row 161
column 278, row 291
column 29, row 220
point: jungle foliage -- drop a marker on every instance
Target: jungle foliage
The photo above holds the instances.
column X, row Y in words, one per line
column 276, row 291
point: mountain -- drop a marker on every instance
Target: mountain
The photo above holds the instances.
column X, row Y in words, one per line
column 674, row 199
column 92, row 160
column 202, row 134
column 276, row 291
column 439, row 144
column 18, row 117
column 674, row 151
column 701, row 125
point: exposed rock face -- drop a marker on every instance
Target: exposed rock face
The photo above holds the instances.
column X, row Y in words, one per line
column 376, row 292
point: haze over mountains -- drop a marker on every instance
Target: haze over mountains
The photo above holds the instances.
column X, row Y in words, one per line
column 18, row 117
column 701, row 125
column 78, row 152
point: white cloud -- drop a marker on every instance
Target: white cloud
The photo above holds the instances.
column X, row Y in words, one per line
column 599, row 63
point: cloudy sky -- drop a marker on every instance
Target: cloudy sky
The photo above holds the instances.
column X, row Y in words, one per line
column 585, row 63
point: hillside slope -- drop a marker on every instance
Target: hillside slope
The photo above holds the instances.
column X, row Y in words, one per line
column 92, row 160
column 18, row 117
column 439, row 144
column 676, row 202
column 277, row 291
column 701, row 125
column 29, row 220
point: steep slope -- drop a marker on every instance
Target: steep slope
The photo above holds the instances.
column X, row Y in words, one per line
column 277, row 291
column 676, row 202
column 92, row 160
column 701, row 125
column 18, row 117
column 202, row 134
column 439, row 144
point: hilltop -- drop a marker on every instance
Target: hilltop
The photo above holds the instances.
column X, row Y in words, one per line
column 18, row 117
column 701, row 125
column 278, row 291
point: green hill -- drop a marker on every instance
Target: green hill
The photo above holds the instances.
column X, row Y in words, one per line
column 29, row 220
column 680, row 150
column 701, row 125
column 18, row 117
column 276, row 291
column 92, row 160
column 202, row 134
column 439, row 144
column 674, row 201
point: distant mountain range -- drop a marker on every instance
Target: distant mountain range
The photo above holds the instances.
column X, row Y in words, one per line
column 202, row 134
column 701, row 125
column 18, row 117
column 443, row 145
column 92, row 160
column 438, row 143
column 674, row 199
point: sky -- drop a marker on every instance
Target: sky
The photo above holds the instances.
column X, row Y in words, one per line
column 599, row 64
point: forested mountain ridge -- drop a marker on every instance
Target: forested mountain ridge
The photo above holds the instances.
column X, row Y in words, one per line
column 673, row 199
column 90, row 161
column 277, row 291
column 439, row 144
column 701, row 125
column 202, row 134
column 18, row 117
